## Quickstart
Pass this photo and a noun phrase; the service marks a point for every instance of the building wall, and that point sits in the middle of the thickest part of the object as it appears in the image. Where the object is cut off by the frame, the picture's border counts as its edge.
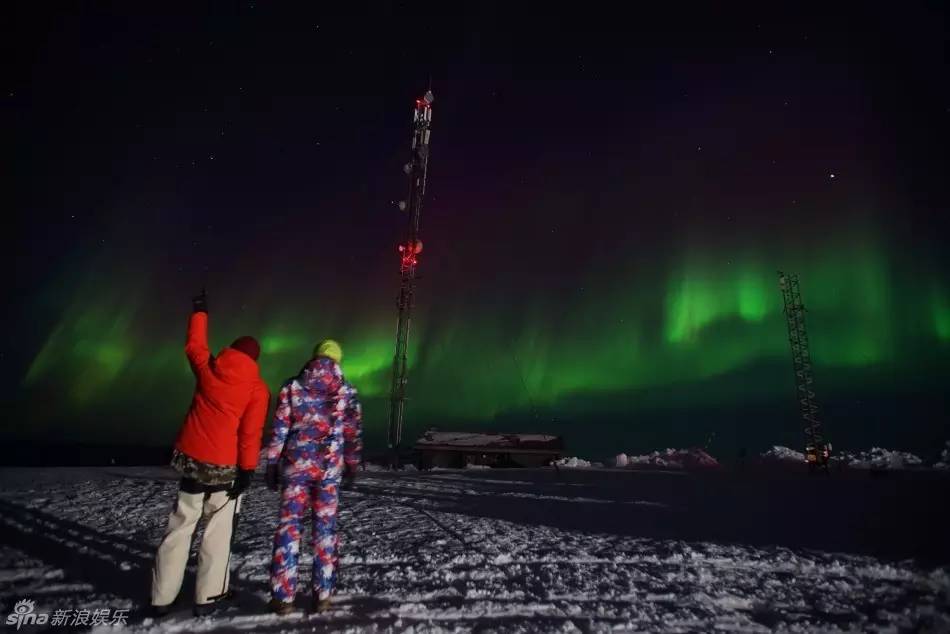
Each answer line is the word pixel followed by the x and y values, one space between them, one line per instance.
pixel 459 459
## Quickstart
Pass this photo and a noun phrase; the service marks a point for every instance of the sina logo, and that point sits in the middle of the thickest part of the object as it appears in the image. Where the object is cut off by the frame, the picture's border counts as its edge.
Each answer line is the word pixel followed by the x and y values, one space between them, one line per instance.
pixel 23 614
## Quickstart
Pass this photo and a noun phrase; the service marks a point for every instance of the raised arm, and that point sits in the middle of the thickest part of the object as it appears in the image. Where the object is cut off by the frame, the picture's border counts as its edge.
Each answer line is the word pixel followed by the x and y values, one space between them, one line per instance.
pixel 196 347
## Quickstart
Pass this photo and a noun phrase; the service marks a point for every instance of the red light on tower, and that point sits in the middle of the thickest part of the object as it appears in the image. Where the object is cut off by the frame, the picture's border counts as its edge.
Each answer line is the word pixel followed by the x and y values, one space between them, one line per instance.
pixel 409 253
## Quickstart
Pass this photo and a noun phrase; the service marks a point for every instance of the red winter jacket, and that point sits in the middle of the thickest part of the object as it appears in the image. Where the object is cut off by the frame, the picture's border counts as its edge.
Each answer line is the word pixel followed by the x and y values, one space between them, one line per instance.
pixel 226 418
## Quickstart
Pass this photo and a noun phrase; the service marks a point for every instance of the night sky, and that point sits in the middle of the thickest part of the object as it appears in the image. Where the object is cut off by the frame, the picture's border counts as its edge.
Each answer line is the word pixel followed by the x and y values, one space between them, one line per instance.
pixel 610 197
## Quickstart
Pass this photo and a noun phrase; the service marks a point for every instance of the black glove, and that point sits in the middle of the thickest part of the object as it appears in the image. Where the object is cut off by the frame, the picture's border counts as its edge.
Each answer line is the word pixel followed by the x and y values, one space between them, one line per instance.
pixel 272 477
pixel 199 303
pixel 241 484
pixel 349 477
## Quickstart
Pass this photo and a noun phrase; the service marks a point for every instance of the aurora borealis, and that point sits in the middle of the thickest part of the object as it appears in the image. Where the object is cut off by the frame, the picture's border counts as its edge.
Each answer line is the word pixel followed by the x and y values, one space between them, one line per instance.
pixel 608 277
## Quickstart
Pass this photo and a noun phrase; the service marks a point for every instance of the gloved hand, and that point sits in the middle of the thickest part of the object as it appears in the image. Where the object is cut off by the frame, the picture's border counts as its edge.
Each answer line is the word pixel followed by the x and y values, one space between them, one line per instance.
pixel 272 477
pixel 349 477
pixel 241 484
pixel 199 303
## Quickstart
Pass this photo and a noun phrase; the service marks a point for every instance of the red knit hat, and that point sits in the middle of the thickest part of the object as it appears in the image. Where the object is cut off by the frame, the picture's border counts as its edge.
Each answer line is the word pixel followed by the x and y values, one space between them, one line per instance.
pixel 248 345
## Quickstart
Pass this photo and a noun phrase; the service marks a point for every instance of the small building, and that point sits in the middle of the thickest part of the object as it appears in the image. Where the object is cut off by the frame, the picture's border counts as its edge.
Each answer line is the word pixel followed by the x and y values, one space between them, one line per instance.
pixel 456 450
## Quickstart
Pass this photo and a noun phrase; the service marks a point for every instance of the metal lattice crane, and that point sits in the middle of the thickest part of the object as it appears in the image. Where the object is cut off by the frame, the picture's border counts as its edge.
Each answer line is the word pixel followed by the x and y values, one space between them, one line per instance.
pixel 817 451
pixel 409 251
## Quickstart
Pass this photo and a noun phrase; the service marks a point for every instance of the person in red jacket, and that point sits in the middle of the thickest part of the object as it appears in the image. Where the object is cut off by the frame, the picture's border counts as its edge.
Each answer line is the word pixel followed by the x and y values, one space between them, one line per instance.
pixel 216 453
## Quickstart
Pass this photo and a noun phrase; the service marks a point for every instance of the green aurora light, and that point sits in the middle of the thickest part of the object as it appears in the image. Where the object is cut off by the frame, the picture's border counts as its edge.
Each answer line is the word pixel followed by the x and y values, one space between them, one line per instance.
pixel 711 315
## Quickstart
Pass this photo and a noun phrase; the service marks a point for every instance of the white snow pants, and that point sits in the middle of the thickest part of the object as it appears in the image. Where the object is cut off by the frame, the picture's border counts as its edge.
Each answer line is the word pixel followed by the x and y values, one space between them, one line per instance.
pixel 214 556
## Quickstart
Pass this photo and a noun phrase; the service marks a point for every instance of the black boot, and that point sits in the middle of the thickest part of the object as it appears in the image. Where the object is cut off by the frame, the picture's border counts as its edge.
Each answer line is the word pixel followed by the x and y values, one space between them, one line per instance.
pixel 160 611
pixel 206 609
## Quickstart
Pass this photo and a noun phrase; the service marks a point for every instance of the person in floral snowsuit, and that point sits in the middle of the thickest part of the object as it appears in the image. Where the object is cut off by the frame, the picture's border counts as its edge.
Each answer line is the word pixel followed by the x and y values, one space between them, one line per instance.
pixel 314 450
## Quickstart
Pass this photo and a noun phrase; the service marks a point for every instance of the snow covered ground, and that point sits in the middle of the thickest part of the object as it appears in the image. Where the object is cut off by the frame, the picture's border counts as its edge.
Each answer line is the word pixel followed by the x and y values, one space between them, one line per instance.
pixel 517 550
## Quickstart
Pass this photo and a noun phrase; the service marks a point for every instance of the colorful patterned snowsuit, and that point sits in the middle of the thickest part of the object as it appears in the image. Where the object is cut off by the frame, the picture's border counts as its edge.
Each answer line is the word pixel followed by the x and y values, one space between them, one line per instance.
pixel 317 428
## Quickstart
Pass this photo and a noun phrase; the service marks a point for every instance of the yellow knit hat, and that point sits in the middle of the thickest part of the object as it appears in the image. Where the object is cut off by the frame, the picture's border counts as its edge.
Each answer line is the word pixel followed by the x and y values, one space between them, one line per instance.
pixel 328 348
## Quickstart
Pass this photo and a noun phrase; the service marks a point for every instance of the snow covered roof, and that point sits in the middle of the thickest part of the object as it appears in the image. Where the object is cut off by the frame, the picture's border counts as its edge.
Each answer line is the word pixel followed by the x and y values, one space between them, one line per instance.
pixel 495 441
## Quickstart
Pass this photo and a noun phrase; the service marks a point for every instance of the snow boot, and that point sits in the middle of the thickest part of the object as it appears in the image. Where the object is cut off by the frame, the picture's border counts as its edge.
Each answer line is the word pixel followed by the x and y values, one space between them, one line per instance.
pixel 206 609
pixel 280 608
pixel 160 611
pixel 321 605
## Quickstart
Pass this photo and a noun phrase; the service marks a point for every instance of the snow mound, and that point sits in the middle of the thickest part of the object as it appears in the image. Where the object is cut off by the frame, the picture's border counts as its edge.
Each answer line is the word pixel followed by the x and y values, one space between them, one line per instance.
pixel 692 458
pixel 875 458
pixel 878 458
pixel 573 463
pixel 944 462
pixel 783 454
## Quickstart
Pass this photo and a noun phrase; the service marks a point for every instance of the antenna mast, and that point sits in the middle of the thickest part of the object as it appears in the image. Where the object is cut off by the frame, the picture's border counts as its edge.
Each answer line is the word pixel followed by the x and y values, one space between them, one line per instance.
pixel 409 251
pixel 817 451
